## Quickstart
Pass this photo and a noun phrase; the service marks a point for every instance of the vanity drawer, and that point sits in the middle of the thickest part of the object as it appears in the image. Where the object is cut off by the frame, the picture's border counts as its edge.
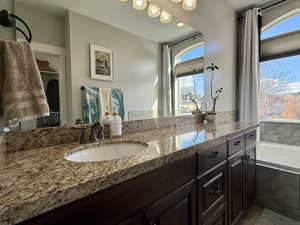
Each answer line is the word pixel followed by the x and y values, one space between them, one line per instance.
pixel 251 138
pixel 211 157
pixel 236 144
pixel 212 191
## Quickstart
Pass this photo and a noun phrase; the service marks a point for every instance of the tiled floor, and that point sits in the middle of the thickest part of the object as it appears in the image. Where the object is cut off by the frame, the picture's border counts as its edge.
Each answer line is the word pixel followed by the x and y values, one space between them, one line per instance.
pixel 251 216
pixel 259 216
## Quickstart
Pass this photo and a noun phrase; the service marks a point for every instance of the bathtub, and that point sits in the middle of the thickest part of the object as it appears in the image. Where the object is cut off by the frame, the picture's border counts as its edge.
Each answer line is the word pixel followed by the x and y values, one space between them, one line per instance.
pixel 278 178
pixel 279 156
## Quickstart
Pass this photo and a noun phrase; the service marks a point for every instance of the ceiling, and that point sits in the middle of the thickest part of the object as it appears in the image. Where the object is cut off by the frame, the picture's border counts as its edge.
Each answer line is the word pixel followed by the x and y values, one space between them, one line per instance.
pixel 242 4
pixel 115 13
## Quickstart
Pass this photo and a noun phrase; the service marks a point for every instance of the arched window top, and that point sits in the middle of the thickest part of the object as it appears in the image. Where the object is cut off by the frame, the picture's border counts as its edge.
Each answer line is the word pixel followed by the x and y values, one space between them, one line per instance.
pixel 192 52
pixel 289 24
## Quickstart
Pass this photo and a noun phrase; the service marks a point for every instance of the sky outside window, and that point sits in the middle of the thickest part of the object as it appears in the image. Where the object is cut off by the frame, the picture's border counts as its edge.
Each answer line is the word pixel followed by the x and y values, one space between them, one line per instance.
pixel 280 78
pixel 198 80
pixel 190 84
pixel 287 25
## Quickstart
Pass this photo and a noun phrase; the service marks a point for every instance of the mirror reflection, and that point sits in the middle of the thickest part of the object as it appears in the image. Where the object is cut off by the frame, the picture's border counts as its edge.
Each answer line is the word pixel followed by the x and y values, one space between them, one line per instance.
pixel 107 57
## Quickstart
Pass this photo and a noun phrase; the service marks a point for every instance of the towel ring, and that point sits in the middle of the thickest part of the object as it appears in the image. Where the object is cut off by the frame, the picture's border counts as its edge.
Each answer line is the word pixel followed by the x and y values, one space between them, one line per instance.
pixel 9 20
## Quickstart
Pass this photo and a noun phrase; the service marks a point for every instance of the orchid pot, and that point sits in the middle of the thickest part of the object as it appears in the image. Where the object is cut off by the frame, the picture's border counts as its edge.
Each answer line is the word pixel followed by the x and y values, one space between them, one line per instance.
pixel 211 116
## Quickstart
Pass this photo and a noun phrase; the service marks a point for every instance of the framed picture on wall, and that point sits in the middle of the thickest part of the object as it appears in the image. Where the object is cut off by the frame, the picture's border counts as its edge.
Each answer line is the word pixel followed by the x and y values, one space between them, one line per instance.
pixel 101 63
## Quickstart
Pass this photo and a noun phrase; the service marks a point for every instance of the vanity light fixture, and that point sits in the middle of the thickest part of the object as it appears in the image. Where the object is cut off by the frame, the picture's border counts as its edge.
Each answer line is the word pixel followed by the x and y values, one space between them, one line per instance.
pixel 176 1
pixel 189 5
pixel 180 25
pixel 139 4
pixel 123 0
pixel 165 17
pixel 153 11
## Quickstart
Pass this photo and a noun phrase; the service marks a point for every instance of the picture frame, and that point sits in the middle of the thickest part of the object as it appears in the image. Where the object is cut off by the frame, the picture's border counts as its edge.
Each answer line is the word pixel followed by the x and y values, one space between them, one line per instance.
pixel 101 63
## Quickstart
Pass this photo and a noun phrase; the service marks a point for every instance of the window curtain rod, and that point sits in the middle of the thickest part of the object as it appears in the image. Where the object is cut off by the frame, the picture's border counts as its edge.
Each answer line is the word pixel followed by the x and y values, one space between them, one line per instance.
pixel 265 7
pixel 193 36
pixel 272 5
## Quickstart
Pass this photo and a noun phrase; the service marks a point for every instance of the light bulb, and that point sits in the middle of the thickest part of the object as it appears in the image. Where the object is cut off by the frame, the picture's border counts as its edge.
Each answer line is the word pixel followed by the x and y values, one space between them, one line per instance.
pixel 139 4
pixel 176 1
pixel 180 24
pixel 165 17
pixel 189 5
pixel 153 11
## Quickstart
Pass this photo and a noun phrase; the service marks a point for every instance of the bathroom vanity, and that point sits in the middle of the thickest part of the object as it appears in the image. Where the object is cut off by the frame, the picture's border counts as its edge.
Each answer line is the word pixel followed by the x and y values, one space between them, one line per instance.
pixel 208 178
pixel 99 67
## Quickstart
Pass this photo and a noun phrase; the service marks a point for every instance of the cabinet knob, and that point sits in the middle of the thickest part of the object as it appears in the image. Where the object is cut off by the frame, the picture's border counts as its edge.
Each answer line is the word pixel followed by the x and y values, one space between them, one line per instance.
pixel 215 190
pixel 214 154
pixel 237 143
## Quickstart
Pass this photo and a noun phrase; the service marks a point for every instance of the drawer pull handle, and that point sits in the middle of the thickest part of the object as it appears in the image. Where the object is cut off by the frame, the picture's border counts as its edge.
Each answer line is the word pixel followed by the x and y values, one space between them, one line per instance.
pixel 215 191
pixel 214 154
pixel 237 143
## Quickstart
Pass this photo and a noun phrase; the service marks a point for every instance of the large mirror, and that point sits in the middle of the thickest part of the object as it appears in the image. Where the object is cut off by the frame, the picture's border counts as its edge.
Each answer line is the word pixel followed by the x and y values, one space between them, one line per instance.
pixel 97 57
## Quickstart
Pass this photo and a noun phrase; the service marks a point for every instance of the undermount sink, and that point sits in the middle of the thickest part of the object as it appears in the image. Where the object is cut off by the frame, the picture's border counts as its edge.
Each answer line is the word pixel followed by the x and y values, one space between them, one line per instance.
pixel 106 152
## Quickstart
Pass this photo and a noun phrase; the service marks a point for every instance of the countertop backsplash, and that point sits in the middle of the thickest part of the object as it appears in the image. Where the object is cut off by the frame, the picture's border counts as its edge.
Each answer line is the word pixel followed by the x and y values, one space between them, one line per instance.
pixel 46 137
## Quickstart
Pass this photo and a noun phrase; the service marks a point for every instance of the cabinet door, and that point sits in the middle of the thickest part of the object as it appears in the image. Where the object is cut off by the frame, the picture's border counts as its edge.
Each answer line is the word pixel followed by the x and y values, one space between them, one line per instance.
pixel 177 208
pixel 250 175
pixel 138 219
pixel 219 217
pixel 236 186
pixel 212 192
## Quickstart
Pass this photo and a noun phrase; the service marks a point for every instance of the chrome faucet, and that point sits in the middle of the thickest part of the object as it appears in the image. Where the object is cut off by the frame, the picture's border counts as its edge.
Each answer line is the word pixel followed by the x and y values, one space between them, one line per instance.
pixel 96 134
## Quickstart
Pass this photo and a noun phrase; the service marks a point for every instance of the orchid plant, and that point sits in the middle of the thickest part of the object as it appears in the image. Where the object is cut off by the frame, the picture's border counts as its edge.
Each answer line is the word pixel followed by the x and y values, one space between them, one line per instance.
pixel 214 96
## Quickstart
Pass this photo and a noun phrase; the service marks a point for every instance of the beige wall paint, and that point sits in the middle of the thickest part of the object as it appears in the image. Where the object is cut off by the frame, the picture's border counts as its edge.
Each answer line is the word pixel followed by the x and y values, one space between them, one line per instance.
pixel 47 28
pixel 217 21
pixel 7 33
pixel 136 63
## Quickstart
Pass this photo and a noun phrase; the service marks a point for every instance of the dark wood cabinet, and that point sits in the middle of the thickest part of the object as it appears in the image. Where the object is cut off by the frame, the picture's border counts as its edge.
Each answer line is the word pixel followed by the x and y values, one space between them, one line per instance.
pixel 212 192
pixel 250 161
pixel 236 186
pixel 211 157
pixel 242 175
pixel 219 217
pixel 138 219
pixel 177 208
pixel 213 187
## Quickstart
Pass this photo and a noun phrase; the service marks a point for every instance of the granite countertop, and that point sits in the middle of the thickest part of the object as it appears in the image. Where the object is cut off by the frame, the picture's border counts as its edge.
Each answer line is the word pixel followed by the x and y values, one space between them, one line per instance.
pixel 36 181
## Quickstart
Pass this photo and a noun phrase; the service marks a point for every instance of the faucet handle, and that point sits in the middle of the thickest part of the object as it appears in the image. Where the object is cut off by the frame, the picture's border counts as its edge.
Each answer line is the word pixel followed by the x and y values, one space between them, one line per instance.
pixel 83 135
pixel 97 132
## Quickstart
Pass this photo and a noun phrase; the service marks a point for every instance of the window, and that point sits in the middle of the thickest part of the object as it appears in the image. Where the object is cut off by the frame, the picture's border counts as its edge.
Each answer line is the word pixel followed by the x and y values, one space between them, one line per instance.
pixel 287 25
pixel 190 85
pixel 280 78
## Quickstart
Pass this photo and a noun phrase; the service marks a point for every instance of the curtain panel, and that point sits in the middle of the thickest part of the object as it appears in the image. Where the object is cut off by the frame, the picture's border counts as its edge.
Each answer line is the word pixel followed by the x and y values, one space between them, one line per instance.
pixel 166 82
pixel 248 66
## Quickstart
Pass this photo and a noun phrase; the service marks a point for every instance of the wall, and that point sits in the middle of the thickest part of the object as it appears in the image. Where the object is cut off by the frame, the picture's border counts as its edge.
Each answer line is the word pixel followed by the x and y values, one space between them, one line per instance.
pixel 217 21
pixel 283 132
pixel 47 27
pixel 278 190
pixel 136 63
pixel 7 33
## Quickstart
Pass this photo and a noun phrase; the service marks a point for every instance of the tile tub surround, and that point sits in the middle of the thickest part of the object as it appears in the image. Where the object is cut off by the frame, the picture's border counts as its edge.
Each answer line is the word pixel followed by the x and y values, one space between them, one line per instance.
pixel 47 137
pixel 283 132
pixel 35 181
pixel 278 190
